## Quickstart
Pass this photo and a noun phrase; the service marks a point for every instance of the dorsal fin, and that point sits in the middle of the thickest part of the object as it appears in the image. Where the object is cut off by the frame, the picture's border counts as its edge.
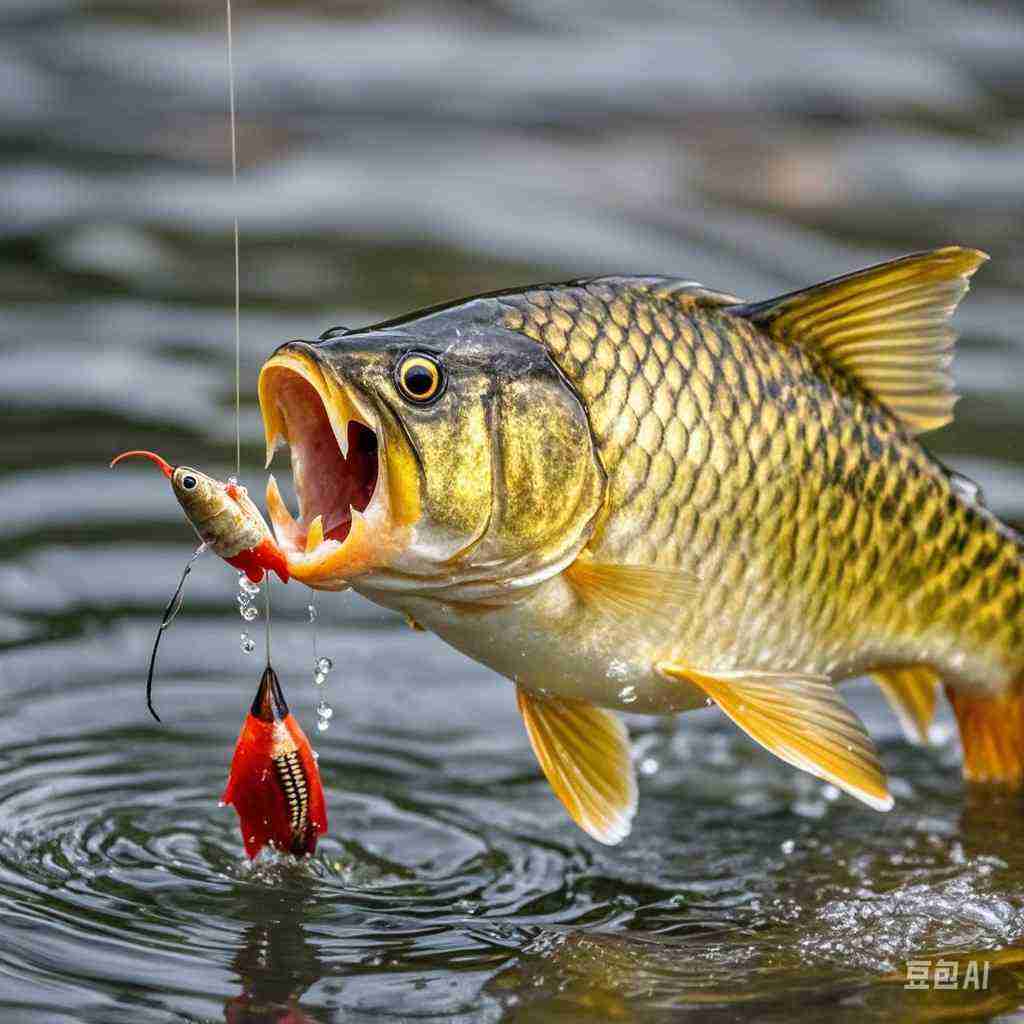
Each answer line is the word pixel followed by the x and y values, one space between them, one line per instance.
pixel 886 326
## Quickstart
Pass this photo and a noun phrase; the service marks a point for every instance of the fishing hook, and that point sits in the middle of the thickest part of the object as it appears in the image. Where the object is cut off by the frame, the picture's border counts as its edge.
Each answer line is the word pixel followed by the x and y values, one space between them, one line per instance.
pixel 170 614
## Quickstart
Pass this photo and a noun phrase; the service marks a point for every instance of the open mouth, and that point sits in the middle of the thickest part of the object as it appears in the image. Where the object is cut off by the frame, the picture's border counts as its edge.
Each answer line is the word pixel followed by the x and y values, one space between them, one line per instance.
pixel 335 456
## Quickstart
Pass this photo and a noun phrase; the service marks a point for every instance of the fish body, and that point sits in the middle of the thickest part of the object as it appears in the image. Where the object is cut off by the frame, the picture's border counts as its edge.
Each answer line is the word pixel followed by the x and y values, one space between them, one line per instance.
pixel 226 519
pixel 274 783
pixel 641 493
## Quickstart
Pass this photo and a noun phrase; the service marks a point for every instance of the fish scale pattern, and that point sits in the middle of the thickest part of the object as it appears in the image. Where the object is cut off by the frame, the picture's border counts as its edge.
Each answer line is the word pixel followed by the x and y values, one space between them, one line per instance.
pixel 824 536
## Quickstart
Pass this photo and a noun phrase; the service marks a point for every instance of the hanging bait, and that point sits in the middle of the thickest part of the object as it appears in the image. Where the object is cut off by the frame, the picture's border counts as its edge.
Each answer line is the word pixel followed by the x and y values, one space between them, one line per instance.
pixel 225 517
pixel 274 783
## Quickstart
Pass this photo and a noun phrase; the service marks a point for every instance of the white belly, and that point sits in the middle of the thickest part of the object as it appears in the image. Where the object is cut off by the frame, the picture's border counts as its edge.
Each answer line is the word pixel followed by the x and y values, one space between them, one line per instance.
pixel 549 643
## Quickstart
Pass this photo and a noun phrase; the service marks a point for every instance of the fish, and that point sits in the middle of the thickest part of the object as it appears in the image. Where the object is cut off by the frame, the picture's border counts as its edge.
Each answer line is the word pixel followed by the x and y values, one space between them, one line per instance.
pixel 226 519
pixel 274 782
pixel 642 494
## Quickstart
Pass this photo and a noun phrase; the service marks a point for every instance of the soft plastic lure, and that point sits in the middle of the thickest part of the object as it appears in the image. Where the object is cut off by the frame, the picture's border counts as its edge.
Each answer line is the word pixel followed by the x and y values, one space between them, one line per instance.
pixel 225 517
pixel 274 783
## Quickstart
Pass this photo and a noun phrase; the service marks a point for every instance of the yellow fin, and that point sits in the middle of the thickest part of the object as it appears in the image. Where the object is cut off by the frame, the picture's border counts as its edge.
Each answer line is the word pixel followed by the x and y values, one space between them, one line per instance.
pixel 911 694
pixel 801 719
pixel 639 593
pixel 992 736
pixel 886 326
pixel 584 752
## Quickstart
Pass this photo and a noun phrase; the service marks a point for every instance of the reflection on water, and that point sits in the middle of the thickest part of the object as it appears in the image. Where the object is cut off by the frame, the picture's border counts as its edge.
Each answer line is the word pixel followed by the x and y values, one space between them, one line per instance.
pixel 275 962
pixel 397 157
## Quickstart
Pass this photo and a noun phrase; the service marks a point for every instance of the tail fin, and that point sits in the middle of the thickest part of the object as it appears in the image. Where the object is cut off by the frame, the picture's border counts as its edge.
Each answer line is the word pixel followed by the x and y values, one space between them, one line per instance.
pixel 992 736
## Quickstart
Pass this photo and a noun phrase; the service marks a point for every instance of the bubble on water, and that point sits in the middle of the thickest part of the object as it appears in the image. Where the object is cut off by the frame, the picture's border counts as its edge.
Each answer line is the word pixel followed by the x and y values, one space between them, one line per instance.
pixel 249 613
pixel 323 724
pixel 247 643
pixel 787 847
pixel 649 766
pixel 312 612
pixel 324 710
pixel 627 694
pixel 247 586
pixel 233 480
pixel 244 600
pixel 324 665
pixel 316 755
pixel 319 678
pixel 830 793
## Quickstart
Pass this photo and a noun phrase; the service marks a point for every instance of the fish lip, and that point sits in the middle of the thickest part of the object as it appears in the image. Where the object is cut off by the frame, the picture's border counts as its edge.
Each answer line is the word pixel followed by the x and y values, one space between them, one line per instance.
pixel 296 384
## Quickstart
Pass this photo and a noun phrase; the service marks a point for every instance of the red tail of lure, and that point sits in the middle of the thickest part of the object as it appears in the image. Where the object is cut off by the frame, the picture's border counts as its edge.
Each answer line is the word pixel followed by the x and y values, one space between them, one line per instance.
pixel 224 516
pixel 274 783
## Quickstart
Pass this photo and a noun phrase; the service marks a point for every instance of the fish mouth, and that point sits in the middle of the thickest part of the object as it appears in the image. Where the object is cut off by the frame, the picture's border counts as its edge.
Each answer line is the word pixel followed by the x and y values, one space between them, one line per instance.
pixel 333 435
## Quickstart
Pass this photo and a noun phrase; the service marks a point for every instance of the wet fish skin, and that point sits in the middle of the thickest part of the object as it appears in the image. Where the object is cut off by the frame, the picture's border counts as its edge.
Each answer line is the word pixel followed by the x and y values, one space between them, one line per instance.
pixel 771 474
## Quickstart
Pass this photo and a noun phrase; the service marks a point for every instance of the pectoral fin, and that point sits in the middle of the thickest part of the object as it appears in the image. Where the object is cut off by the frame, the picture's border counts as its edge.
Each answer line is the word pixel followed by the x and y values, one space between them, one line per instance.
pixel 911 693
pixel 584 752
pixel 640 593
pixel 801 719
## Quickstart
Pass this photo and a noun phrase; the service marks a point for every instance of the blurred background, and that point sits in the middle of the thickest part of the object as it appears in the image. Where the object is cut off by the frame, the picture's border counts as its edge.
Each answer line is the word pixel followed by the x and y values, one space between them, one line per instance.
pixel 393 155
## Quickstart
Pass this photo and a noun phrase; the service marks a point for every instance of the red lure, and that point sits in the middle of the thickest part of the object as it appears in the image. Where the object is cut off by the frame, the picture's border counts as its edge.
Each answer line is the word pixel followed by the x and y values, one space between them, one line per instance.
pixel 274 783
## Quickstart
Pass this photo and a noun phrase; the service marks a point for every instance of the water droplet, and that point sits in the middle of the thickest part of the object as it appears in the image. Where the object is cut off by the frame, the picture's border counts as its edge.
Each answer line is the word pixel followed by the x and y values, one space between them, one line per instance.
pixel 324 665
pixel 312 612
pixel 627 694
pixel 249 613
pixel 247 586
pixel 316 755
pixel 247 643
pixel 788 847
pixel 323 724
pixel 324 710
pixel 232 479
pixel 244 600
pixel 618 670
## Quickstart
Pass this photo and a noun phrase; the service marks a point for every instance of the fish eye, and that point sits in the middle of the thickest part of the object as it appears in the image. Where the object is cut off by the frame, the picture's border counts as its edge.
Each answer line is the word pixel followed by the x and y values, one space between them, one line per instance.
pixel 419 377
pixel 189 482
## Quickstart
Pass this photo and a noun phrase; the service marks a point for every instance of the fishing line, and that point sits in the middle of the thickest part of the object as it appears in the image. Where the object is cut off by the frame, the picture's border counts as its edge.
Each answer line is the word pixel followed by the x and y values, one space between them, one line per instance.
pixel 234 196
pixel 169 615
pixel 233 119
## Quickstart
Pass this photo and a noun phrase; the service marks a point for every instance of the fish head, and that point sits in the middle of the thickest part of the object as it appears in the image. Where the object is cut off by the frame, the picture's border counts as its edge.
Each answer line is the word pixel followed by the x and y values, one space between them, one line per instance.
pixel 441 450
pixel 199 495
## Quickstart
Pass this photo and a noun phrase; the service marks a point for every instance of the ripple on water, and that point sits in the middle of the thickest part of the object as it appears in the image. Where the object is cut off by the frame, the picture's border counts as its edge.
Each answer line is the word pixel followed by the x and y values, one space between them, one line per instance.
pixel 449 869
pixel 114 851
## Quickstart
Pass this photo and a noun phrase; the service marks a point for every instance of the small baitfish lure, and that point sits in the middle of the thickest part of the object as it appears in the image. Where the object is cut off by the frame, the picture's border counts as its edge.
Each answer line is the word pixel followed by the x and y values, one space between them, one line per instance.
pixel 225 517
pixel 274 783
